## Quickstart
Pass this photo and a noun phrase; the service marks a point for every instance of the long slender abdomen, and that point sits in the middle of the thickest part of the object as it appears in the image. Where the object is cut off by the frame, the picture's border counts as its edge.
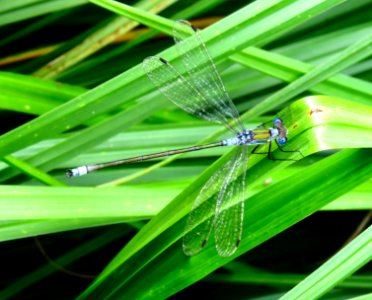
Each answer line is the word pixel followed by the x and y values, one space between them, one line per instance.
pixel 80 171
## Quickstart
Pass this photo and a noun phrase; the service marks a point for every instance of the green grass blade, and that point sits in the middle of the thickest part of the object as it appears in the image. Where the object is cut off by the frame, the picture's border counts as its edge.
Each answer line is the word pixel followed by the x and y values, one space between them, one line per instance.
pixel 98 40
pixel 31 171
pixel 349 259
pixel 23 13
pixel 267 213
pixel 242 273
pixel 34 27
pixel 187 13
pixel 31 95
pixel 289 69
pixel 286 11
pixel 126 116
pixel 364 297
pixel 26 229
pixel 358 51
pixel 159 224
pixel 44 203
pixel 38 203
pixel 112 93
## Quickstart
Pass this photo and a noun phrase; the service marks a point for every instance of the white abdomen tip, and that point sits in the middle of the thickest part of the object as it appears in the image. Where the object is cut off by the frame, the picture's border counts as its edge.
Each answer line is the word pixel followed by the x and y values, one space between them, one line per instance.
pixel 79 171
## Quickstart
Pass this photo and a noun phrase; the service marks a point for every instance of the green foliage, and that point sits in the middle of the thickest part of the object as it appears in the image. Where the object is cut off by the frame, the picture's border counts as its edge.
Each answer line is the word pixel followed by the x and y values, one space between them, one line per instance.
pixel 90 101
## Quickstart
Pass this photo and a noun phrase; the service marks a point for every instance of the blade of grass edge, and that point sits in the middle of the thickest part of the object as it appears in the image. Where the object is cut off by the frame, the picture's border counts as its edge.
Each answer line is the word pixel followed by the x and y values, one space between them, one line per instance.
pixel 349 259
pixel 165 252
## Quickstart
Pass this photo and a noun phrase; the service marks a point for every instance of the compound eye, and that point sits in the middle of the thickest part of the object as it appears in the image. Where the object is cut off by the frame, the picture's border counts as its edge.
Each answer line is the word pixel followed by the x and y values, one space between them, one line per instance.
pixel 282 141
pixel 277 122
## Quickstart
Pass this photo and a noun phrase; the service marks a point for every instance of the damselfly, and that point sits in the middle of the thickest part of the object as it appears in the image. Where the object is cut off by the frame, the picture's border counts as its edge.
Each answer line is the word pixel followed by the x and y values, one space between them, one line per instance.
pixel 219 205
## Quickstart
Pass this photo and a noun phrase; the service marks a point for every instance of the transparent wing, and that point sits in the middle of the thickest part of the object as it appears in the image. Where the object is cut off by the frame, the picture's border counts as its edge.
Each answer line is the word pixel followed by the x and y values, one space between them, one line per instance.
pixel 202 93
pixel 228 225
pixel 203 74
pixel 178 90
pixel 207 206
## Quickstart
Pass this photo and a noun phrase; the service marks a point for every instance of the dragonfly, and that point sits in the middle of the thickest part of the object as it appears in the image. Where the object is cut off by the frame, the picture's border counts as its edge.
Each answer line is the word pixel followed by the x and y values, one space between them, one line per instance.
pixel 219 206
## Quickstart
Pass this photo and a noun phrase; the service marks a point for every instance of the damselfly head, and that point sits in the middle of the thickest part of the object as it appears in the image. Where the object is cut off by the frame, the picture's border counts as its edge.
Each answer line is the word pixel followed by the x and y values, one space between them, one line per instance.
pixel 282 140
pixel 278 122
pixel 282 136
